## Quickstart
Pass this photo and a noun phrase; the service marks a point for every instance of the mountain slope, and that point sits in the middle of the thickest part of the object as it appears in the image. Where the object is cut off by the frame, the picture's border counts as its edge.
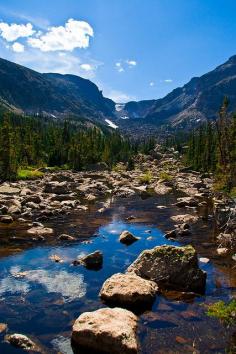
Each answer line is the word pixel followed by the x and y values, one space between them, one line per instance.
pixel 33 92
pixel 197 101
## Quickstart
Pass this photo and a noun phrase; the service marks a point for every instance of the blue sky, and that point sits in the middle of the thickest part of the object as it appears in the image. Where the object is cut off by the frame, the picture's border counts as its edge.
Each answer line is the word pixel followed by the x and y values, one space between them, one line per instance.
pixel 132 49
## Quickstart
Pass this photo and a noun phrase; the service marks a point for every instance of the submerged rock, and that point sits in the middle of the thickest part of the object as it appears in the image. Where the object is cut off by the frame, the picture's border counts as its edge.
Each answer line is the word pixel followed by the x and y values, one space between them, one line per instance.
pixel 3 327
pixel 171 267
pixel 127 237
pixel 111 330
pixel 128 289
pixel 93 260
pixel 21 341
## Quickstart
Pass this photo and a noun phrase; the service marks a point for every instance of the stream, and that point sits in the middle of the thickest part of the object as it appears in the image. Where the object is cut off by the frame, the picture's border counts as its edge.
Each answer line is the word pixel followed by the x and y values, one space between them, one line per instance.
pixel 41 298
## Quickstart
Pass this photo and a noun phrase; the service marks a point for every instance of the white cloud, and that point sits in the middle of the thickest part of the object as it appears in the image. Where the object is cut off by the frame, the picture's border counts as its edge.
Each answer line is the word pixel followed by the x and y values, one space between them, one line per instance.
pixel 168 80
pixel 151 83
pixel 117 96
pixel 13 31
pixel 86 67
pixel 119 67
pixel 75 34
pixel 131 62
pixel 123 64
pixel 56 62
pixel 18 47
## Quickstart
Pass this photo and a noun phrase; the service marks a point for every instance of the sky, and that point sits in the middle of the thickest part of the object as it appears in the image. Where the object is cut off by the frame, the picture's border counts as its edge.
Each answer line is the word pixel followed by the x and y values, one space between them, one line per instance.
pixel 132 49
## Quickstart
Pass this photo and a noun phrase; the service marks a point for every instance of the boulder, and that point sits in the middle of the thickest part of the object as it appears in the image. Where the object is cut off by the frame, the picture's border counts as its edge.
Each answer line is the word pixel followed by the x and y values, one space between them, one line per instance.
pixel 65 237
pixel 111 330
pixel 33 199
pixel 40 231
pixel 171 267
pixel 56 188
pixel 161 189
pixel 222 251
pixel 4 189
pixel 185 218
pixel 171 234
pixel 128 289
pixel 93 260
pixel 127 238
pixel 186 202
pixel 21 341
pixel 6 219
pixel 14 210
pixel 3 209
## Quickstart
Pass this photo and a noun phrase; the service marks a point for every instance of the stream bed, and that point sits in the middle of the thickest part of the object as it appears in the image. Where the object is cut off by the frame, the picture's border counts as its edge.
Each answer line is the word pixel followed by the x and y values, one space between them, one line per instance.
pixel 41 298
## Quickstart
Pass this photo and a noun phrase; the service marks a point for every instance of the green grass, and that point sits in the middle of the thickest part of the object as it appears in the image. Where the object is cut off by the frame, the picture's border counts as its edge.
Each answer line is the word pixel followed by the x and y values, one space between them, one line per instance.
pixel 224 312
pixel 146 178
pixel 165 176
pixel 29 173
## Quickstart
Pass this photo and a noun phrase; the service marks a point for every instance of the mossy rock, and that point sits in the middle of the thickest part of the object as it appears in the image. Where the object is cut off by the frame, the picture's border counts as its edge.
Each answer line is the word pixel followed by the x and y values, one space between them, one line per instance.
pixel 171 267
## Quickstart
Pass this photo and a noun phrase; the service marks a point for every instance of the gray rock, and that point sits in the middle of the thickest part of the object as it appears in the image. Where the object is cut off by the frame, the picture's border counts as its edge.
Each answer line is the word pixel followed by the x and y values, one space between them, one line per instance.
pixel 171 267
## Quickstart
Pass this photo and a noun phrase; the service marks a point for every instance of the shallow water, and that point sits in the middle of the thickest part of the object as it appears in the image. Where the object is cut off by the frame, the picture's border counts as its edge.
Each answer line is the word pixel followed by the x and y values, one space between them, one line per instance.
pixel 47 297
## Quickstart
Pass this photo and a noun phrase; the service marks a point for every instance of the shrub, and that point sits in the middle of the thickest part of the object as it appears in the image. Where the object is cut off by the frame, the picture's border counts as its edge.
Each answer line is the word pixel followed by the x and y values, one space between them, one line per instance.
pixel 165 176
pixel 146 178
pixel 29 174
pixel 224 312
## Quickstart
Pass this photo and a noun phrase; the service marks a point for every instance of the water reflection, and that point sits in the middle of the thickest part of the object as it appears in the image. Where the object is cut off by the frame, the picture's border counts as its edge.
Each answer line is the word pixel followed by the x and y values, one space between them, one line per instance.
pixel 69 286
pixel 42 298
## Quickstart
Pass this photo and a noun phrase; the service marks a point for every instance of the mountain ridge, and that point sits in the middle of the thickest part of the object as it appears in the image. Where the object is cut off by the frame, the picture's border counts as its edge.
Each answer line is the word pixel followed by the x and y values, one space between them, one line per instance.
pixel 50 93
pixel 28 91
pixel 197 101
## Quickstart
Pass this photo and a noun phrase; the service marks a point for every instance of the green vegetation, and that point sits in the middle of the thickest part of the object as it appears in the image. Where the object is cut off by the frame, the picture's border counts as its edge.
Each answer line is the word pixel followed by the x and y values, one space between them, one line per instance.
pixel 29 174
pixel 59 143
pixel 224 312
pixel 146 178
pixel 212 148
pixel 165 176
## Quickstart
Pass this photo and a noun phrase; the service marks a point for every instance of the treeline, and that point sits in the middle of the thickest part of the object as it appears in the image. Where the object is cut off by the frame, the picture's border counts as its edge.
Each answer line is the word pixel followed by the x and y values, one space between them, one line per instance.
pixel 212 148
pixel 40 141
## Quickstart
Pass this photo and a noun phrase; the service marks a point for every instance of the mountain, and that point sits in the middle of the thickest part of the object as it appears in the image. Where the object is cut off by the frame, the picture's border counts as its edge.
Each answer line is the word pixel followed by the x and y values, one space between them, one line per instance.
pixel 52 94
pixel 22 89
pixel 195 102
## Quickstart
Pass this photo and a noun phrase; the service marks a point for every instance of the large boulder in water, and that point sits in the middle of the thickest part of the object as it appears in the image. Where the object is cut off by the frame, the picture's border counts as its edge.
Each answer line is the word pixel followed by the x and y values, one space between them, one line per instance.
pixel 128 289
pixel 171 267
pixel 108 330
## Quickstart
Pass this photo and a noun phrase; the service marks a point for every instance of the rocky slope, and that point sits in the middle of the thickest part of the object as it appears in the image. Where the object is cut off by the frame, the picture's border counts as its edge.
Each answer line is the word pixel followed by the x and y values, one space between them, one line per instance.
pixel 52 94
pixel 197 101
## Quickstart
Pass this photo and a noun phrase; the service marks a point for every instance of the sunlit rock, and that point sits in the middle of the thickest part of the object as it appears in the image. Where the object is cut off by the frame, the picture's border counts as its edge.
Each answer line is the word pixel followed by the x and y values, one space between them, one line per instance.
pixel 128 289
pixel 110 330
